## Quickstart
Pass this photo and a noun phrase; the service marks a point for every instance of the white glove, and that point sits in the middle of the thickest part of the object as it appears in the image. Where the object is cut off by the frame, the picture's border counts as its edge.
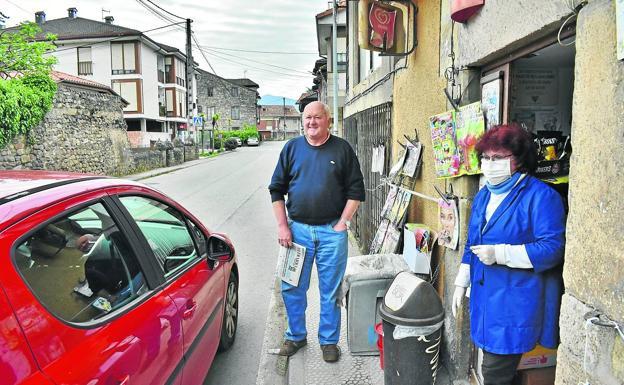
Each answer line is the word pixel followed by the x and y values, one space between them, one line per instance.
pixel 485 253
pixel 458 296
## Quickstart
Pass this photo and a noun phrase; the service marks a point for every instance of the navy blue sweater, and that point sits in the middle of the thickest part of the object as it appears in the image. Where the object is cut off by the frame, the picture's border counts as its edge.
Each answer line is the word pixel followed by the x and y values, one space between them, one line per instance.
pixel 318 179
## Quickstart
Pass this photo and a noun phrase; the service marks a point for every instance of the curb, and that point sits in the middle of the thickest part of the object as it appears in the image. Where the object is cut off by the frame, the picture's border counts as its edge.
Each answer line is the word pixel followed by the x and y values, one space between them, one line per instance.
pixel 273 369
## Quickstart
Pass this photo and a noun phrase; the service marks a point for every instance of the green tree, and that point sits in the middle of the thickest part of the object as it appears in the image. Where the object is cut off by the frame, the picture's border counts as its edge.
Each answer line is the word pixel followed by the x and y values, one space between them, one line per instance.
pixel 22 55
pixel 26 88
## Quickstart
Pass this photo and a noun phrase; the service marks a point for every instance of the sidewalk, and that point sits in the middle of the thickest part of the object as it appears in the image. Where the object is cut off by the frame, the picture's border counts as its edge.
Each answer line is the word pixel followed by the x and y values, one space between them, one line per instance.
pixel 307 367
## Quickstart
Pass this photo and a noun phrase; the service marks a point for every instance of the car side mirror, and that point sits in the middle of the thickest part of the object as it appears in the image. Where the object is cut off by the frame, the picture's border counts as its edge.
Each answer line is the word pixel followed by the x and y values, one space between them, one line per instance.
pixel 219 249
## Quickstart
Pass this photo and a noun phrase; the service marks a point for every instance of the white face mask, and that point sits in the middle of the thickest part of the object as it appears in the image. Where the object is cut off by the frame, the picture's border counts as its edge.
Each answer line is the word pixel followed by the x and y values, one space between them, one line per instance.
pixel 496 171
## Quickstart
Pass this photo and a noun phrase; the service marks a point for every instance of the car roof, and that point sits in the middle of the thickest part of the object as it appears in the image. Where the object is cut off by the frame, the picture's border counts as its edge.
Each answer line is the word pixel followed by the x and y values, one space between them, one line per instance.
pixel 24 192
pixel 16 183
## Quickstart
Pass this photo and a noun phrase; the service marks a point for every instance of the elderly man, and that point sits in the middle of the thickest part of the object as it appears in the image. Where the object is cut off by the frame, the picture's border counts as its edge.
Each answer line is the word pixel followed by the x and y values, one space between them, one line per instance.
pixel 321 175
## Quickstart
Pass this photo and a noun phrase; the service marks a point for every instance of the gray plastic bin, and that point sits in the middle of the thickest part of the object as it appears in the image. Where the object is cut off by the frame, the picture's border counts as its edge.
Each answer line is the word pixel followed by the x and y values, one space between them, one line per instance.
pixel 363 301
pixel 366 279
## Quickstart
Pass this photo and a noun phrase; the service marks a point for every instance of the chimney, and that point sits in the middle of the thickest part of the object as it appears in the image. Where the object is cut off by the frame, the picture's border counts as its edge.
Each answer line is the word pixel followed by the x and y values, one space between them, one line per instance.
pixel 72 12
pixel 40 17
pixel 109 19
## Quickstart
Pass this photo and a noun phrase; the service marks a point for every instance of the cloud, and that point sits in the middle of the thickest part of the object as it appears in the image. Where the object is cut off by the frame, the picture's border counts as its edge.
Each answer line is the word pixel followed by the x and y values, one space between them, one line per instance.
pixel 267 25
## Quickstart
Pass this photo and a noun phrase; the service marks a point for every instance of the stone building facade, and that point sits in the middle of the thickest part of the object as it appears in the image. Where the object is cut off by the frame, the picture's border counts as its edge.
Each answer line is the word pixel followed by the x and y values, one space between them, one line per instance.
pixel 234 100
pixel 84 132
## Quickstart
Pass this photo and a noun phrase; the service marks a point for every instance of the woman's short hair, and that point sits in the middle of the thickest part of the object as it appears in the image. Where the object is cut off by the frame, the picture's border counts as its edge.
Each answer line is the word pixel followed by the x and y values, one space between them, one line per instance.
pixel 514 139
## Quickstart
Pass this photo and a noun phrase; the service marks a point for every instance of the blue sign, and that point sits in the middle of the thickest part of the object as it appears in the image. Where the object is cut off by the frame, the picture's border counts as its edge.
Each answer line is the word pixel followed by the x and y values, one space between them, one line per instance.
pixel 198 120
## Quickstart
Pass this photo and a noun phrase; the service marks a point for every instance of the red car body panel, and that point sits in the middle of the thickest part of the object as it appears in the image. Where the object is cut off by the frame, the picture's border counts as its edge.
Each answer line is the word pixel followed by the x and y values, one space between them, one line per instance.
pixel 168 336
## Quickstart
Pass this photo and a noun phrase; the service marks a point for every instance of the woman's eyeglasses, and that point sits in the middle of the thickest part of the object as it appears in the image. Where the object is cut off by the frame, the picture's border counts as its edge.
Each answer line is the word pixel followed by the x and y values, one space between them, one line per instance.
pixel 495 157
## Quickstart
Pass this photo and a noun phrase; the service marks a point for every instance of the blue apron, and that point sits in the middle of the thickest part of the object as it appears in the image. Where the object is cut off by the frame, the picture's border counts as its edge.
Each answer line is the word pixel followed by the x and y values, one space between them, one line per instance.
pixel 511 310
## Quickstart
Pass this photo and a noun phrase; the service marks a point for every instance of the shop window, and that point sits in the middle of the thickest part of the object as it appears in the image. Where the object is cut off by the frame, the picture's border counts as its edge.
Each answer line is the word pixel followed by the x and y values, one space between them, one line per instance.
pixel 81 266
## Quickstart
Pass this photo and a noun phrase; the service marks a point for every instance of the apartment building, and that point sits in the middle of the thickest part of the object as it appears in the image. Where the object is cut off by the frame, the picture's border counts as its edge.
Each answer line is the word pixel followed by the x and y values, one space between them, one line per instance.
pixel 151 76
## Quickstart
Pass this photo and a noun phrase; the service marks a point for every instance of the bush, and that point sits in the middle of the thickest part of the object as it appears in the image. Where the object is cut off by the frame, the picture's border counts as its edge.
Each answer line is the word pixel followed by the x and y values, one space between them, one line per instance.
pixel 230 144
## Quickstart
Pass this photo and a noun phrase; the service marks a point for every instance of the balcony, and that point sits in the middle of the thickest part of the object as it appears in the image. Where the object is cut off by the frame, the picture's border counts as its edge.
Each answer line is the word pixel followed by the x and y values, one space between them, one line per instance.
pixel 85 68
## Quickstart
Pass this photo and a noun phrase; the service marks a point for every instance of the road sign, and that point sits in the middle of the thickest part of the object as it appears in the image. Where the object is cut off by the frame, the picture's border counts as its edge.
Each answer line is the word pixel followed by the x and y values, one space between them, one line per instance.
pixel 198 120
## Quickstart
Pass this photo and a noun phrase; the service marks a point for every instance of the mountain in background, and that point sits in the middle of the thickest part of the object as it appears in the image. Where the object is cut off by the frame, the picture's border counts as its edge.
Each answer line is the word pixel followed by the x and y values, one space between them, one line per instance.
pixel 275 100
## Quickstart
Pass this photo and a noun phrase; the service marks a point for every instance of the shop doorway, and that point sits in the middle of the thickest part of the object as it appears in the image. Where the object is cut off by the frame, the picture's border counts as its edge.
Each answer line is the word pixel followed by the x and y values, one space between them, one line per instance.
pixel 535 90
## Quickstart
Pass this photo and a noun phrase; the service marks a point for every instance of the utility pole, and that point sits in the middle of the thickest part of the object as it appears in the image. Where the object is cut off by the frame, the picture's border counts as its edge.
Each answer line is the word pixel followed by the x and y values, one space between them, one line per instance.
pixel 190 98
pixel 284 115
pixel 335 67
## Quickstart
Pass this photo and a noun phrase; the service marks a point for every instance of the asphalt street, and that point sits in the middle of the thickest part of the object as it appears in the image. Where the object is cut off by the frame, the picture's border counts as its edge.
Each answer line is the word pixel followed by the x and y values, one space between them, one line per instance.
pixel 229 194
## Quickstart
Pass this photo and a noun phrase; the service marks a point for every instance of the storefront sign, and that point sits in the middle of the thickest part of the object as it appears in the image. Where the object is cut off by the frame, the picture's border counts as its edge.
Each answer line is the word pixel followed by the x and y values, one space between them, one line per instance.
pixel 536 87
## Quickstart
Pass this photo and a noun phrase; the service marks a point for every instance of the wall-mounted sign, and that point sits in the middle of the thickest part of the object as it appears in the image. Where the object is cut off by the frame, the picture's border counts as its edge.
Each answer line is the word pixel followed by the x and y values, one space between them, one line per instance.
pixel 382 20
pixel 536 87
pixel 388 27
pixel 491 95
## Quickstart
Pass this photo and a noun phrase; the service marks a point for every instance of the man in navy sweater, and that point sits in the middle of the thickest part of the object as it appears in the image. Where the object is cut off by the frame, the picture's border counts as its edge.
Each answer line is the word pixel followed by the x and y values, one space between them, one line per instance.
pixel 321 175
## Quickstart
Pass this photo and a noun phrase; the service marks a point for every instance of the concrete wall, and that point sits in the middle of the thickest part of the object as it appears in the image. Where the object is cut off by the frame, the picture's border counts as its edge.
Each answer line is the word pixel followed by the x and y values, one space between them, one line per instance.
pixel 504 26
pixel 594 267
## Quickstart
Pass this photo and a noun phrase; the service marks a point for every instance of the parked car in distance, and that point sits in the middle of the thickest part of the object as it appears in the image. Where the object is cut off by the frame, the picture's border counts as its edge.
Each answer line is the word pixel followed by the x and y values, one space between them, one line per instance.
pixel 108 281
pixel 239 142
pixel 253 141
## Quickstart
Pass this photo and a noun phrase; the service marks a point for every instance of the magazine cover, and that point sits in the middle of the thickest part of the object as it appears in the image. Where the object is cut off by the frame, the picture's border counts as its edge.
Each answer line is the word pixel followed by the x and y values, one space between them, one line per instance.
pixel 444 142
pixel 470 128
pixel 290 263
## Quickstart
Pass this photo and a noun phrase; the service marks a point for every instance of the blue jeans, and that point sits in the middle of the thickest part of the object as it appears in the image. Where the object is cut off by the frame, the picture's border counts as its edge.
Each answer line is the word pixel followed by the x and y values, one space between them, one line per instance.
pixel 330 249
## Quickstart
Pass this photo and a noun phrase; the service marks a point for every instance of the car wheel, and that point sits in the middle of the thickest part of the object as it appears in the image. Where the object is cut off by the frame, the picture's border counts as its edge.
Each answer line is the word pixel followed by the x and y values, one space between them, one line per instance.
pixel 230 315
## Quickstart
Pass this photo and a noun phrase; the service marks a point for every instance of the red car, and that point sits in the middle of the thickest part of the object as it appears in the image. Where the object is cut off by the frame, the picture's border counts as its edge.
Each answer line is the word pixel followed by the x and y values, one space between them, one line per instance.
pixel 107 281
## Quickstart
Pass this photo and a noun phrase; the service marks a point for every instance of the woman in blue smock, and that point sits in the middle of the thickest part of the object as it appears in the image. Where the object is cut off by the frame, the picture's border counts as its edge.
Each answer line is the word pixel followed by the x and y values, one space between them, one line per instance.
pixel 513 256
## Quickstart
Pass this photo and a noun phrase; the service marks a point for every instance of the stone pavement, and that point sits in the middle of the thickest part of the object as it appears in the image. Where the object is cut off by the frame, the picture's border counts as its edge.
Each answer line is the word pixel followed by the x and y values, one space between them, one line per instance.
pixel 307 367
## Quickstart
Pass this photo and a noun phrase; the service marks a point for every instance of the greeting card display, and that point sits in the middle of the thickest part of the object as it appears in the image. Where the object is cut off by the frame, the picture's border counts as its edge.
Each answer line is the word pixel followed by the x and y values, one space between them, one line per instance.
pixel 470 127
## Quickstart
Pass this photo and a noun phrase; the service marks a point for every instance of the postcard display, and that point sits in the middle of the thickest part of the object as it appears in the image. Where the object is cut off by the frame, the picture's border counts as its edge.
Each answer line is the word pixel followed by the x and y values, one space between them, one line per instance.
pixel 388 233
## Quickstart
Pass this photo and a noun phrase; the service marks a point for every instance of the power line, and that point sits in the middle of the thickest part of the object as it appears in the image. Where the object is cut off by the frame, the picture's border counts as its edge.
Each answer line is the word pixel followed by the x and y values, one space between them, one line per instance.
pixel 259 62
pixel 248 50
pixel 257 68
pixel 15 5
pixel 164 10
pixel 114 38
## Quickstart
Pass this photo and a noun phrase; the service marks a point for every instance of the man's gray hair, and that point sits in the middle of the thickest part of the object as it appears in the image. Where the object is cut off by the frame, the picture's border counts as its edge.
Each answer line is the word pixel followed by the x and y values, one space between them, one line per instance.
pixel 327 110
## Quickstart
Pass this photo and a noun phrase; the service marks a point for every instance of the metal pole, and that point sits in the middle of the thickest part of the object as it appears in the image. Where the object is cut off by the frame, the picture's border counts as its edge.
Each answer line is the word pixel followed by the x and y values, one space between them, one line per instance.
pixel 284 115
pixel 335 66
pixel 202 133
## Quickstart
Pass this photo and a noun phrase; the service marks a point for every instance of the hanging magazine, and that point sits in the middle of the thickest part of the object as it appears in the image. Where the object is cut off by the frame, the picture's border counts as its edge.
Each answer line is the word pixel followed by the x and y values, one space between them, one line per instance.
pixel 290 263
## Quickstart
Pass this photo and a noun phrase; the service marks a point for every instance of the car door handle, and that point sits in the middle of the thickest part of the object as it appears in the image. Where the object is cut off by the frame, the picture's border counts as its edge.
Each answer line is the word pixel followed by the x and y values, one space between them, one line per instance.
pixel 191 306
pixel 125 380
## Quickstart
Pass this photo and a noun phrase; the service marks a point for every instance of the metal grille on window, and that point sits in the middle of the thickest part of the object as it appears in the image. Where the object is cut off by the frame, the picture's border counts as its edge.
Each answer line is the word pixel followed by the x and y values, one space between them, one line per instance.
pixel 364 131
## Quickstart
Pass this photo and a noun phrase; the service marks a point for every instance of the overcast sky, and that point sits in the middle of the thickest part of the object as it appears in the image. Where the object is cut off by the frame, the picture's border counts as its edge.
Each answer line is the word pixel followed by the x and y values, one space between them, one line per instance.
pixel 236 25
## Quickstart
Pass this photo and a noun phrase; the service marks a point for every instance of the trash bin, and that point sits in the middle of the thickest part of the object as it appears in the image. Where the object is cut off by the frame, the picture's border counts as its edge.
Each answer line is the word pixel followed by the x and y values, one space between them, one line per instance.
pixel 412 316
pixel 365 282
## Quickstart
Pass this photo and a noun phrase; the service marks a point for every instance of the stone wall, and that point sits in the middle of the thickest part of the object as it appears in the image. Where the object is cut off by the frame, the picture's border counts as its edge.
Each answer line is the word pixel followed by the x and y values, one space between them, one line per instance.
pixel 223 101
pixel 83 132
pixel 594 266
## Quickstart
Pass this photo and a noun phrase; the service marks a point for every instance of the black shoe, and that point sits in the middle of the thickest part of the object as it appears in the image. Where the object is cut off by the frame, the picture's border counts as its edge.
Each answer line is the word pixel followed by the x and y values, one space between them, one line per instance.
pixel 331 353
pixel 291 347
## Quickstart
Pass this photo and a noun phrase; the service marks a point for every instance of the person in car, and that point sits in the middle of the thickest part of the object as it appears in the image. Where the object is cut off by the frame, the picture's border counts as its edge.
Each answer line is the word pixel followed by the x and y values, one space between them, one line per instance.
pixel 321 175
pixel 513 256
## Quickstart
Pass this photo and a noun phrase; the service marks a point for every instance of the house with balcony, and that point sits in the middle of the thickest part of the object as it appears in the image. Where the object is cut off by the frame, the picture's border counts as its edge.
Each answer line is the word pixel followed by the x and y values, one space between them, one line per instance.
pixel 325 68
pixel 149 75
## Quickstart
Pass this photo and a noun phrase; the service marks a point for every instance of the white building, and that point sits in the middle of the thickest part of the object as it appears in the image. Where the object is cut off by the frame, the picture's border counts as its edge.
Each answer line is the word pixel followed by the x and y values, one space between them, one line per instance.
pixel 149 75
